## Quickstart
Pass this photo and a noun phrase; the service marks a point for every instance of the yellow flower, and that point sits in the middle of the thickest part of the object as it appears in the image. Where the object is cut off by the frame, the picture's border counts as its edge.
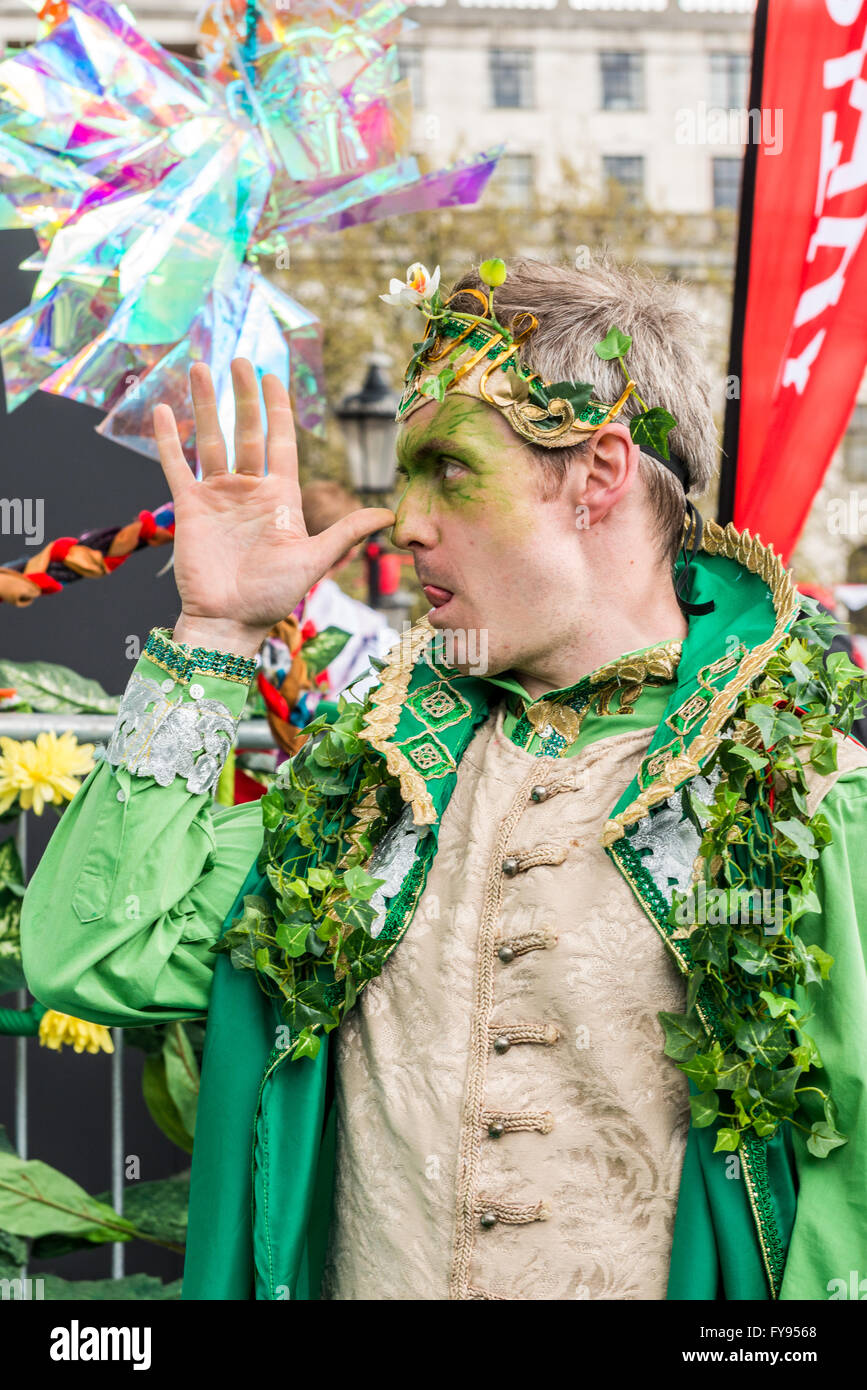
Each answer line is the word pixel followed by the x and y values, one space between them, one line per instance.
pixel 46 770
pixel 56 1029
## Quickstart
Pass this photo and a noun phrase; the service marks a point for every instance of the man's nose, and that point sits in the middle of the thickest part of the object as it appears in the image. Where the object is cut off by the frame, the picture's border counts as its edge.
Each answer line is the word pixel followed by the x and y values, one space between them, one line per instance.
pixel 413 524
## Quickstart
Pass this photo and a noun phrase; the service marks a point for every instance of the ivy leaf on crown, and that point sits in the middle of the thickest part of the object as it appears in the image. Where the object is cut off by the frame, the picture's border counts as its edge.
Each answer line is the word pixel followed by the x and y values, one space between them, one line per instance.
pixel 653 427
pixel 614 344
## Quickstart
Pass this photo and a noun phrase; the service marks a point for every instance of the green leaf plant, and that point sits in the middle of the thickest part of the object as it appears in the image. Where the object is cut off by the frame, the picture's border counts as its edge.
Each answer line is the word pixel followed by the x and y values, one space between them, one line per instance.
pixel 742 1041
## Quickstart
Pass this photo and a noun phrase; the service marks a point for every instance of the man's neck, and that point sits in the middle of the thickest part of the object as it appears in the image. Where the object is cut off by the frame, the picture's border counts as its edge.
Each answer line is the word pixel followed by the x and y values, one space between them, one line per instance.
pixel 602 644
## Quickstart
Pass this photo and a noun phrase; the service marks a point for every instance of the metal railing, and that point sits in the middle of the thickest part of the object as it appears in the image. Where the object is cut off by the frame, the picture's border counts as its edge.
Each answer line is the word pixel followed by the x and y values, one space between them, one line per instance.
pixel 252 733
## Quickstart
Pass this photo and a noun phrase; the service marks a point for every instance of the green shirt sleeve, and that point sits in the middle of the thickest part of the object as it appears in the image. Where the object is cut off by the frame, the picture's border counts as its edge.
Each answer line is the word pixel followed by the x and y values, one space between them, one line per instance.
pixel 829 1238
pixel 134 887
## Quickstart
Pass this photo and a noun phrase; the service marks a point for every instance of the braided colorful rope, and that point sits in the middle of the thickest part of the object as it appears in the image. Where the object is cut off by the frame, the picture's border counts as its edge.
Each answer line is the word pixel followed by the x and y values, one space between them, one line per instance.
pixel 88 556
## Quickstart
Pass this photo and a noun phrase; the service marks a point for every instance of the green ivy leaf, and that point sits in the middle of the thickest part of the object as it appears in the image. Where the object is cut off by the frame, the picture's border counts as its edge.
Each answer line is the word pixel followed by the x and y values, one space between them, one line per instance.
pixel 292 940
pixel 308 1045
pixel 435 387
pixel 653 427
pixel 778 1004
pixel 822 959
pixel 273 810
pixel 683 1035
pixel 614 344
pixel 800 835
pixel 361 884
pixel 763 1039
pixel 806 1054
pixel 823 1139
pixel 727 1140
pixel 702 1071
pixel 755 759
pixel 319 651
pixel 751 956
pixel 705 1108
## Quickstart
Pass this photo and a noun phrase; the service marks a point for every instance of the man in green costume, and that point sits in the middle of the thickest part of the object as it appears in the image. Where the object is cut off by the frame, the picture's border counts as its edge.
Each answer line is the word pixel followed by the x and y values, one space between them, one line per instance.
pixel 499 905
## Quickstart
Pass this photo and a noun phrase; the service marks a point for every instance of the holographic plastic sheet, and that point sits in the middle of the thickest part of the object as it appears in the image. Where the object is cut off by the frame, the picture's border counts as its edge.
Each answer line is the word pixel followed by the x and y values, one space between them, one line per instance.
pixel 155 184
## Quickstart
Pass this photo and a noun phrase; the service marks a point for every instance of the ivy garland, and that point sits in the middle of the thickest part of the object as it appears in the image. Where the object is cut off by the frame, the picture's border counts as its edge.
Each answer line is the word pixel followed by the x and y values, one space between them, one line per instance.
pixel 757 835
pixel 311 947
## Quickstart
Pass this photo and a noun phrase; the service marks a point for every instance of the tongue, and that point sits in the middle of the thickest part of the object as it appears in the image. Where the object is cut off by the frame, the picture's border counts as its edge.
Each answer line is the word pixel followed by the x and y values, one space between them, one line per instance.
pixel 437 595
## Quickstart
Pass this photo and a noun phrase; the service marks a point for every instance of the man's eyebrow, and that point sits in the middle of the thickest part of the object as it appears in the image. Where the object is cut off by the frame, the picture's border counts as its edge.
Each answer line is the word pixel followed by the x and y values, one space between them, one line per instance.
pixel 425 447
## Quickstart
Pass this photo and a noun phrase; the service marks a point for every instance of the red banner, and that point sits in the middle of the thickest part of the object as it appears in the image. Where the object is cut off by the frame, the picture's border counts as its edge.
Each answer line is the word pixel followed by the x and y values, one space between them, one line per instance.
pixel 805 334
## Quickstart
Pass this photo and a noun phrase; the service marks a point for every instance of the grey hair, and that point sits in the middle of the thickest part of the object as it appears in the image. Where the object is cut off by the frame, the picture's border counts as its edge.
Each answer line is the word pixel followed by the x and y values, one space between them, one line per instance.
pixel 575 309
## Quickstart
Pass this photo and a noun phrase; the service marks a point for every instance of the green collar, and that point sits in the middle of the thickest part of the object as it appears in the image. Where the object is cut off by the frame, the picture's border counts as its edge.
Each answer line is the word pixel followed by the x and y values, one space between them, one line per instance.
pixel 629 693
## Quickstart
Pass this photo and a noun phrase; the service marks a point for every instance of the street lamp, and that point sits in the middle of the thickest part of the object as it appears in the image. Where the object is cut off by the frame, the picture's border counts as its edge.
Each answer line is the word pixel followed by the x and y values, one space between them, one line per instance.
pixel 370 429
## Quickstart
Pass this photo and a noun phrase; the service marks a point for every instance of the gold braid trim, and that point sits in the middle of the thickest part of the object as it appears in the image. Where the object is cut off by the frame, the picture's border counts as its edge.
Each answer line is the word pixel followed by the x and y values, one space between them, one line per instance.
pixel 364 814
pixel 381 719
pixel 761 560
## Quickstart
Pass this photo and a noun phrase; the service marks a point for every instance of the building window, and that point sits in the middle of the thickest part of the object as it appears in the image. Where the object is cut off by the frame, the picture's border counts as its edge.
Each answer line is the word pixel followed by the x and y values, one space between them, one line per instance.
pixel 855 445
pixel 729 80
pixel 726 182
pixel 622 81
pixel 626 170
pixel 514 179
pixel 511 77
pixel 409 62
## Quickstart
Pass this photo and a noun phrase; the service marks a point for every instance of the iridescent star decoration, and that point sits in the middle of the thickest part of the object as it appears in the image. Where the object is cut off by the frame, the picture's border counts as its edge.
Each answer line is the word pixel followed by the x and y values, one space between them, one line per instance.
pixel 156 184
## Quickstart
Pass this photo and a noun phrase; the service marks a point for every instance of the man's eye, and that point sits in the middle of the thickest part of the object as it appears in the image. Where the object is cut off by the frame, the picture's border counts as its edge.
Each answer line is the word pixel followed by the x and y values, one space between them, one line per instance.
pixel 451 468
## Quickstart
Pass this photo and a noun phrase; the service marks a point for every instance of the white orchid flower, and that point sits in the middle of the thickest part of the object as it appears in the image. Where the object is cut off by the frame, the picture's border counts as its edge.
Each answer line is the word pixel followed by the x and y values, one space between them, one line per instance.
pixel 419 286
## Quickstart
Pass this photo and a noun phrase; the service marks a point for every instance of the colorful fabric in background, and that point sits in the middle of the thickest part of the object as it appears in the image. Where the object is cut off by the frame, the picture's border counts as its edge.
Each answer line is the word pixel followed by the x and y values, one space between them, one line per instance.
pixel 157 185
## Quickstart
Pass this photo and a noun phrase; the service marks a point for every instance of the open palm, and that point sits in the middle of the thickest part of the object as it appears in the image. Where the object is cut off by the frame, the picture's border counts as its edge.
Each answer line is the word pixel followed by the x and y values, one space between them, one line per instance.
pixel 242 553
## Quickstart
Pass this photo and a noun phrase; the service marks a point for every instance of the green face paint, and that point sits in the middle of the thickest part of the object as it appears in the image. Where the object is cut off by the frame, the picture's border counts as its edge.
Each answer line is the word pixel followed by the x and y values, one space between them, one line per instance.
pixel 465 432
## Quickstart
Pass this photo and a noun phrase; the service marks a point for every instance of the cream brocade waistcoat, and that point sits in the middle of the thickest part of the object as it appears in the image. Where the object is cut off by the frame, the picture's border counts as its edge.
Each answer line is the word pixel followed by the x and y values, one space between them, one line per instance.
pixel 507 1124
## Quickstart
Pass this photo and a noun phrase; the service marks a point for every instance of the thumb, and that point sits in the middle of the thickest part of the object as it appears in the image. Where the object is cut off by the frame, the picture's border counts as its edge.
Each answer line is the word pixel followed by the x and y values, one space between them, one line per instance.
pixel 331 545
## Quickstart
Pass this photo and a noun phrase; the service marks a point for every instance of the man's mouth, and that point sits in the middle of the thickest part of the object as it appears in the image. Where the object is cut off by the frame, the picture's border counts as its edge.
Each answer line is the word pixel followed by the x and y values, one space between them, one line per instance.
pixel 436 595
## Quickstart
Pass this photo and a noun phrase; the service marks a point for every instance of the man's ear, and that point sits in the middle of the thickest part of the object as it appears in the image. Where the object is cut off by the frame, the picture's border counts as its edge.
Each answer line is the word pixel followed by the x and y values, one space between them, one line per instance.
pixel 605 473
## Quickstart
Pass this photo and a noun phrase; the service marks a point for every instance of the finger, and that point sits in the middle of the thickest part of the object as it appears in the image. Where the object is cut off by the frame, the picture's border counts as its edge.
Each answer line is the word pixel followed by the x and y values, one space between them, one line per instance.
pixel 249 438
pixel 209 437
pixel 331 545
pixel 282 444
pixel 177 471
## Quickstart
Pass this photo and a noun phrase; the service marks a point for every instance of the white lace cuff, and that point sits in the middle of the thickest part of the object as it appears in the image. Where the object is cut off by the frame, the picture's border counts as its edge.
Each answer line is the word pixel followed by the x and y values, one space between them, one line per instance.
pixel 161 738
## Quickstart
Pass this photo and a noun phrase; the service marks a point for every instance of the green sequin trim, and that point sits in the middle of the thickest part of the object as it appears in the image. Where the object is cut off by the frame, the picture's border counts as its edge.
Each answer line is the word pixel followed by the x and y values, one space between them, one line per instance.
pixel 183 662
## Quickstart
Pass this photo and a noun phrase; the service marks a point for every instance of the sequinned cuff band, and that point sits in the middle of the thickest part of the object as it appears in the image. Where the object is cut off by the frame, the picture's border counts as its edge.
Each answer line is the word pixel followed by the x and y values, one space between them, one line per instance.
pixel 164 739
pixel 183 661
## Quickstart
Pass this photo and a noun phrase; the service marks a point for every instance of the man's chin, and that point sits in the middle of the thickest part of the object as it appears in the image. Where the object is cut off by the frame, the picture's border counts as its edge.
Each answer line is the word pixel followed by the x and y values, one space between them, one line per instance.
pixel 461 641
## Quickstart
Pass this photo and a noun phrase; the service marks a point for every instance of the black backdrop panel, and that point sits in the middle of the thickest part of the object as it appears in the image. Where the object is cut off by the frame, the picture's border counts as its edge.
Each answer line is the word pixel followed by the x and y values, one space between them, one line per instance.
pixel 49 450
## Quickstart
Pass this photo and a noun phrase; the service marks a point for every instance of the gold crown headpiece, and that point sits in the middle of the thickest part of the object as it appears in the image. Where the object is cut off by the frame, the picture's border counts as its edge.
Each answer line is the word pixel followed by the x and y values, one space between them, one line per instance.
pixel 475 355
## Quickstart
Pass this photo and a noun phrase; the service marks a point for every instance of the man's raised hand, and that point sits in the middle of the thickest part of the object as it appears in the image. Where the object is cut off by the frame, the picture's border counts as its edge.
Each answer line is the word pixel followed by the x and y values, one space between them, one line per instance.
pixel 242 556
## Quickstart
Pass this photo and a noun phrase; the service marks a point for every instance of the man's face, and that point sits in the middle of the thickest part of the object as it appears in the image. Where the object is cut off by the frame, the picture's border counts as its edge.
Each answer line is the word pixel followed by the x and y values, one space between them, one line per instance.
pixel 490 555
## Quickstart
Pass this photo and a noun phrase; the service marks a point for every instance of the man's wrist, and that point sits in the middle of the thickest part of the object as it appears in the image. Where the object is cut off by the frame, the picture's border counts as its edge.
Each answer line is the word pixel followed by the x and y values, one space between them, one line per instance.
pixel 219 634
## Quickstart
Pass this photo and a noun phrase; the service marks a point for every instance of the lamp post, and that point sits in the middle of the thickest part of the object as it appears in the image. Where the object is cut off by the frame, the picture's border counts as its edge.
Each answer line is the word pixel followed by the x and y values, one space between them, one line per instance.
pixel 369 429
